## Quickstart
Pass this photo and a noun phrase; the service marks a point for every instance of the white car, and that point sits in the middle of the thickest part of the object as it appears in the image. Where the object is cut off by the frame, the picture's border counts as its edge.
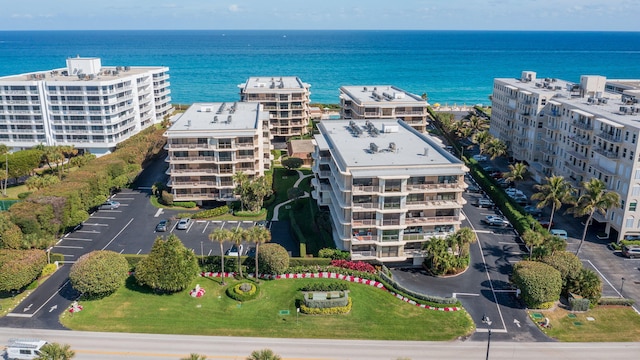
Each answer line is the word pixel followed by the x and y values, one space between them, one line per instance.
pixel 24 348
pixel 495 220
pixel 183 224
pixel 109 205
pixel 235 251
pixel 479 157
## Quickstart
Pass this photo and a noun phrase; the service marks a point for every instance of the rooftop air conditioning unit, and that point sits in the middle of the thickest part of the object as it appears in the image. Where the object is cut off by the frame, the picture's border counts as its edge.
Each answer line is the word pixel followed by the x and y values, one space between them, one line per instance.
pixel 624 109
pixel 373 147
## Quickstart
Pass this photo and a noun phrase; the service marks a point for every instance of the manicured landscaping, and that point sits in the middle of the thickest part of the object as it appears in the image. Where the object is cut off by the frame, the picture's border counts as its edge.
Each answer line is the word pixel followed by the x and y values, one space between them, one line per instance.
pixel 375 314
pixel 13 191
pixel 610 324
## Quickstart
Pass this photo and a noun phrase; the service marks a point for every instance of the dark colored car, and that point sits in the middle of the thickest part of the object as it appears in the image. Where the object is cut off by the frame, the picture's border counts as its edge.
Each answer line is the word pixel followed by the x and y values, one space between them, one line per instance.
pixel 163 225
pixel 533 210
pixel 251 252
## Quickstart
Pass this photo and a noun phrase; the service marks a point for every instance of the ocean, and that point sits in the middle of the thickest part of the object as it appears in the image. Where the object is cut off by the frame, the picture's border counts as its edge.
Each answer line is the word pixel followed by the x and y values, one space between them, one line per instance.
pixel 452 67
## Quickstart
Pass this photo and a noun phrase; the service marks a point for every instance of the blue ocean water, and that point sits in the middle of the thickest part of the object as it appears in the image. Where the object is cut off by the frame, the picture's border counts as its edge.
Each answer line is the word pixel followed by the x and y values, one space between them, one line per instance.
pixel 450 66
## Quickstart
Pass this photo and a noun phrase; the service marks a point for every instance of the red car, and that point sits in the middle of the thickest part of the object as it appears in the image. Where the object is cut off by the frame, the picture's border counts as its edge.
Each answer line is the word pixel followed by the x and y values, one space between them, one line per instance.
pixel 545 223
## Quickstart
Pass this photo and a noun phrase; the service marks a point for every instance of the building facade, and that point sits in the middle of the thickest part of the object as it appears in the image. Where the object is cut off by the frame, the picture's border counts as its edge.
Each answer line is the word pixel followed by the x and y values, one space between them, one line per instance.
pixel 286 99
pixel 383 102
pixel 388 187
pixel 210 143
pixel 582 130
pixel 87 105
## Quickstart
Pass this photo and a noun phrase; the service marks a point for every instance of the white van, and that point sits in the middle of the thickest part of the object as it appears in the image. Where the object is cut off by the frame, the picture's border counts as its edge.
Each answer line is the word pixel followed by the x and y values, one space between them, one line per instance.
pixel 24 348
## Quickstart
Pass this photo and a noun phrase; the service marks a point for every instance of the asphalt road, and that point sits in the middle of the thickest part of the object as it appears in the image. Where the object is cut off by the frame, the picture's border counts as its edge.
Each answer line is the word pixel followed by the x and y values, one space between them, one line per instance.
pixel 103 346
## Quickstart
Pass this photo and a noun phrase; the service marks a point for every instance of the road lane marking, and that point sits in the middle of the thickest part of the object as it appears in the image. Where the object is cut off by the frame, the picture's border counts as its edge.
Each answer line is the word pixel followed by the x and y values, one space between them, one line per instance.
pixel 158 213
pixel 68 247
pixel 78 239
pixel 89 231
pixel 104 217
pixel 94 224
pixel 119 232
pixel 464 294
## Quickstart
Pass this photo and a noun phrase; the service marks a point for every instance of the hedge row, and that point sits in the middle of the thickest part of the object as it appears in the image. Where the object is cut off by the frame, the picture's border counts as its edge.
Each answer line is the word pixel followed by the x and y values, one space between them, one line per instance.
pixel 328 302
pixel 327 311
pixel 297 233
pixel 616 301
pixel 326 286
pixel 206 214
pixel 308 262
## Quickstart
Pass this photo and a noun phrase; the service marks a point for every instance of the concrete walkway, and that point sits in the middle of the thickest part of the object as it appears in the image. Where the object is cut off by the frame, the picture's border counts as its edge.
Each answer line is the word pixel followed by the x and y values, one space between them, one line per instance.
pixel 276 210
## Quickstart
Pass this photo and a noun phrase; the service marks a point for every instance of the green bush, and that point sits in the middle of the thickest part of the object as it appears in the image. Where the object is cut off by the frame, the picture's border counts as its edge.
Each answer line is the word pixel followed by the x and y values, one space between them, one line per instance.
pixel 48 270
pixel 212 263
pixel 24 195
pixel 586 284
pixel 327 311
pixel 32 285
pixel 237 293
pixel 327 300
pixel 18 268
pixel 539 283
pixel 325 286
pixel 334 254
pixel 211 213
pixel 273 259
pixel 133 260
pixel 99 273
pixel 56 257
pixel 616 301
pixel 250 213
pixel 166 198
pixel 579 304
pixel 567 263
pixel 185 204
pixel 305 262
pixel 169 267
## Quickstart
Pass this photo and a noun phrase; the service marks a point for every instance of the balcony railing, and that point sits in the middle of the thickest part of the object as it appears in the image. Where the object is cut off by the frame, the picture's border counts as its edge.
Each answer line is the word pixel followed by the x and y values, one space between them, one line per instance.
pixel 431 219
pixel 582 125
pixel 365 188
pixel 364 222
pixel 610 137
pixel 607 153
pixel 452 185
pixel 364 205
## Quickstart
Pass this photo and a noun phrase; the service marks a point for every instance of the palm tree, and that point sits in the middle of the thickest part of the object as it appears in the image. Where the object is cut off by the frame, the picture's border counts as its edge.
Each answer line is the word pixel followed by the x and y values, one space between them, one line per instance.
pixel 258 235
pixel 517 172
pixel 264 354
pixel 194 356
pixel 495 147
pixel 462 238
pixel 481 139
pixel 221 235
pixel 596 197
pixel 555 192
pixel 4 150
pixel 240 180
pixel 532 239
pixel 237 236
pixel 478 123
pixel 56 351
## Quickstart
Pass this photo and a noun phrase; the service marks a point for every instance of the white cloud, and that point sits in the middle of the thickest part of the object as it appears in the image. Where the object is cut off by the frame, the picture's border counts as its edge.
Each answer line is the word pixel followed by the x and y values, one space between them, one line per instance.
pixel 234 8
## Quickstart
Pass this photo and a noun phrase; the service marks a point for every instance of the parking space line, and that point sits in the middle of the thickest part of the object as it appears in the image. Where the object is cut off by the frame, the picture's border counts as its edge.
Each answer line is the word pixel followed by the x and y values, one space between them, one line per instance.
pixel 247 222
pixel 94 224
pixel 158 213
pixel 65 255
pixel 88 231
pixel 232 221
pixel 209 253
pixel 482 231
pixel 119 232
pixel 121 251
pixel 205 227
pixel 125 198
pixel 139 251
pixel 78 239
pixel 68 247
pixel 103 217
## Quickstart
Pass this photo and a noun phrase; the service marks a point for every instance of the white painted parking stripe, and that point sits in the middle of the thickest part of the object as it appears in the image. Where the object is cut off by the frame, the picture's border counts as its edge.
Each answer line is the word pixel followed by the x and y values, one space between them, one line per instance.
pixel 209 253
pixel 94 224
pixel 483 231
pixel 88 231
pixel 65 255
pixel 123 198
pixel 464 294
pixel 78 239
pixel 247 222
pixel 158 213
pixel 103 217
pixel 121 251
pixel 68 247
pixel 483 330
pixel 232 221
pixel 205 227
pixel 216 221
pixel 139 251
pixel 201 221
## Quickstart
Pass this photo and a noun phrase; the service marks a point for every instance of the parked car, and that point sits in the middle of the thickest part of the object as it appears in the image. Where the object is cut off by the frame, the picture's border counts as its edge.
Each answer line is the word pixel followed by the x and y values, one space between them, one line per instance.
pixel 533 210
pixel 234 250
pixel 109 205
pixel 484 203
pixel 473 188
pixel 183 224
pixel 545 223
pixel 479 157
pixel 562 234
pixel 163 225
pixel 489 169
pixel 504 183
pixel 24 348
pixel 497 174
pixel 261 223
pixel 631 251
pixel 251 252
pixel 495 220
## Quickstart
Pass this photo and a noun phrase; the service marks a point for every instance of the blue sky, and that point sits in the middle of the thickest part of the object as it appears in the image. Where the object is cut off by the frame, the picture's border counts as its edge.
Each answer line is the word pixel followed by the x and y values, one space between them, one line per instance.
pixel 615 15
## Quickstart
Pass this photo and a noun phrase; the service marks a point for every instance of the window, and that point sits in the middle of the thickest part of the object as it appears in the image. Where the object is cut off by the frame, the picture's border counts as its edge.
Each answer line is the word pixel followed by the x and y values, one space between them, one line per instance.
pixel 633 205
pixel 630 221
pixel 636 190
pixel 633 139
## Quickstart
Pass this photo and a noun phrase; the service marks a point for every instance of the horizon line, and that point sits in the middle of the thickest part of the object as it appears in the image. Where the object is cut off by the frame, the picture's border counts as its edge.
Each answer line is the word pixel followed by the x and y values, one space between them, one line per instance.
pixel 369 30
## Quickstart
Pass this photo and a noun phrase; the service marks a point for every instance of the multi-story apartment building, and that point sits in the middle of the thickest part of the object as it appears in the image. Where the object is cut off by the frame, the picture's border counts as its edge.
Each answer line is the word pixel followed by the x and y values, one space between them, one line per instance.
pixel 87 105
pixel 583 130
pixel 211 142
pixel 389 188
pixel 383 102
pixel 286 98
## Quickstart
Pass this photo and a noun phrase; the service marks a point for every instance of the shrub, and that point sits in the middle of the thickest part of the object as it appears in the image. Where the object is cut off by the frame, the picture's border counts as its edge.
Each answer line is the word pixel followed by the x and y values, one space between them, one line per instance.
pixel 586 284
pixel 210 213
pixel 579 304
pixel 56 257
pixel 305 262
pixel 327 311
pixel 166 198
pixel 133 260
pixel 99 273
pixel 24 195
pixel 292 163
pixel 212 263
pixel 169 267
pixel 568 264
pixel 327 300
pixel 242 292
pixel 334 254
pixel 325 286
pixel 354 265
pixel 616 301
pixel 10 234
pixel 273 259
pixel 250 213
pixel 18 268
pixel 539 282
pixel 48 270
pixel 184 204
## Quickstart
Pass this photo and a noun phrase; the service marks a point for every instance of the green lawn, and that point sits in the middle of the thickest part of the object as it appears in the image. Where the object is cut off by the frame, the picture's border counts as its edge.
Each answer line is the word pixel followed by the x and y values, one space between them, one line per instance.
pixel 375 315
pixel 610 324
pixel 13 191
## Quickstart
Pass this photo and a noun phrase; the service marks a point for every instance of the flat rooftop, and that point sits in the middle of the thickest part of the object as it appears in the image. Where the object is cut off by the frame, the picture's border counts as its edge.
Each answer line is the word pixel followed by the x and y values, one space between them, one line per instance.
pixel 273 83
pixel 107 73
pixel 379 94
pixel 217 116
pixel 394 142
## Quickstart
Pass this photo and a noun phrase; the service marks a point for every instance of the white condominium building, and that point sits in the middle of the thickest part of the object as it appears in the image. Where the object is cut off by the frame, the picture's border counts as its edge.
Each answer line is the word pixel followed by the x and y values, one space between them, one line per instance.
pixel 286 98
pixel 389 188
pixel 582 130
pixel 383 102
pixel 211 142
pixel 87 105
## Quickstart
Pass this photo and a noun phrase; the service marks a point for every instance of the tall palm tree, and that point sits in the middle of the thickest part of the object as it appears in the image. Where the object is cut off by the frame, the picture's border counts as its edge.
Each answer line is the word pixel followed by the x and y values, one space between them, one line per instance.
pixel 554 193
pixel 482 138
pixel 478 123
pixel 56 351
pixel 517 172
pixel 240 180
pixel 264 354
pixel 595 197
pixel 495 147
pixel 4 150
pixel 221 235
pixel 194 356
pixel 258 235
pixel 237 236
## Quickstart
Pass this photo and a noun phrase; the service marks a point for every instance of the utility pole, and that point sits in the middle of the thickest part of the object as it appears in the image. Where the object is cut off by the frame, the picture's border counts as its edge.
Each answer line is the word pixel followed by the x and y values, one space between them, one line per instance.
pixel 486 320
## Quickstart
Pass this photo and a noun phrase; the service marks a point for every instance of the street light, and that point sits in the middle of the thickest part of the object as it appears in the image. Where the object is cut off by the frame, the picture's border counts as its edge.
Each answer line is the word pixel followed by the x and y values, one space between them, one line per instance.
pixel 201 249
pixel 622 285
pixel 486 320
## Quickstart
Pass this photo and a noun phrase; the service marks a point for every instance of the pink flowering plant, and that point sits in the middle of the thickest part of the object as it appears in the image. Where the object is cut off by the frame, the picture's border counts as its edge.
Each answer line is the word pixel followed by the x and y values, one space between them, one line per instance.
pixel 354 265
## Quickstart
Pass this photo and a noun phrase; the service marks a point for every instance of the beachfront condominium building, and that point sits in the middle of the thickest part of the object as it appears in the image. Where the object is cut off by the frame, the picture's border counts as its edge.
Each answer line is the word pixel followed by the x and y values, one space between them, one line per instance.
pixel 210 143
pixel 578 130
pixel 286 98
pixel 383 102
pixel 389 188
pixel 87 105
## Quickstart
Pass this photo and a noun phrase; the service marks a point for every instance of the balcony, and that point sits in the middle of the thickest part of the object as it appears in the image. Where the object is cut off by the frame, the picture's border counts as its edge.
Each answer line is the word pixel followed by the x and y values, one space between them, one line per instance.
pixel 195 159
pixel 432 187
pixel 610 137
pixel 607 153
pixel 582 125
pixel 583 140
pixel 363 255
pixel 364 222
pixel 603 170
pixel 431 220
pixel 363 206
pixel 192 184
pixel 170 146
pixel 575 168
pixel 425 236
pixel 365 188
